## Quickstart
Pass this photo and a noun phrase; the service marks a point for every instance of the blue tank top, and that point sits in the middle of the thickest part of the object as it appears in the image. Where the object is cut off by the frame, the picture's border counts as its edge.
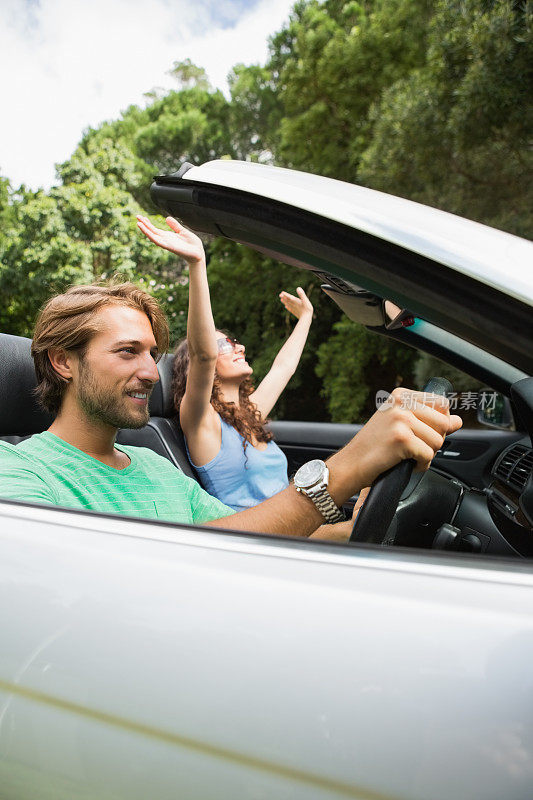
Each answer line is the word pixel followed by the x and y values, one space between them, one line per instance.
pixel 243 480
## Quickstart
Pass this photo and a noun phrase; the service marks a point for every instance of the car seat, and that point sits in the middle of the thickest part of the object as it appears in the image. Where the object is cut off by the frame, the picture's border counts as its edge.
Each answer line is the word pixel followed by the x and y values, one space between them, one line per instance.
pixel 21 415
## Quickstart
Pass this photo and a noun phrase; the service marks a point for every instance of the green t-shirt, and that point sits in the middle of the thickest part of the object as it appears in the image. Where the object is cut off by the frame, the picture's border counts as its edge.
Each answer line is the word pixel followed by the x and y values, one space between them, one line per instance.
pixel 45 469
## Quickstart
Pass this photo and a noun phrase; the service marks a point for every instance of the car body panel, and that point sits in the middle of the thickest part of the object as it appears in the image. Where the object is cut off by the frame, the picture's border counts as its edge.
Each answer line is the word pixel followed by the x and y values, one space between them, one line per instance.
pixel 156 679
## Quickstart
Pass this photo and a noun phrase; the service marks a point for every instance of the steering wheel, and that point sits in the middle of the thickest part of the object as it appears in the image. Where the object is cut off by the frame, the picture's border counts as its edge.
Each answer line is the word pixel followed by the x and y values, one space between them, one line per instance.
pixel 374 518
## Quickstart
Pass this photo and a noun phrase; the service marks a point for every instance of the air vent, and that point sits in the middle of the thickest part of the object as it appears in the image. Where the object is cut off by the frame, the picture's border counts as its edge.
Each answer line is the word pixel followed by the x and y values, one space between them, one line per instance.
pixel 515 467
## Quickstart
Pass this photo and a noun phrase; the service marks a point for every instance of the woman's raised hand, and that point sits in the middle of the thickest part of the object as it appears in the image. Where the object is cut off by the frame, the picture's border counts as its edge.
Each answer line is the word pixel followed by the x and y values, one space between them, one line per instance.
pixel 177 240
pixel 299 306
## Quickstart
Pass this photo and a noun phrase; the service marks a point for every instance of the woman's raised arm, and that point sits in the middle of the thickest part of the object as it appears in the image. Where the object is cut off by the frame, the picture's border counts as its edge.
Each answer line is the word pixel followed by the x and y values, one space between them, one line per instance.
pixel 196 410
pixel 284 365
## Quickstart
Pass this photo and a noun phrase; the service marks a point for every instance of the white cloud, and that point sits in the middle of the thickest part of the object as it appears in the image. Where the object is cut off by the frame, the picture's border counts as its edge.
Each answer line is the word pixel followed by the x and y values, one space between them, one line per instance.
pixel 70 64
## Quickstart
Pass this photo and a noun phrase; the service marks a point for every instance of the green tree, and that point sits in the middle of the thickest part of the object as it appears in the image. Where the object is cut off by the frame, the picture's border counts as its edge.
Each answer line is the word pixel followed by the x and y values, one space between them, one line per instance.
pixel 369 362
pixel 38 257
pixel 331 63
pixel 189 75
pixel 188 125
pixel 99 209
pixel 255 112
pixel 4 195
pixel 81 231
pixel 6 211
pixel 431 101
pixel 455 133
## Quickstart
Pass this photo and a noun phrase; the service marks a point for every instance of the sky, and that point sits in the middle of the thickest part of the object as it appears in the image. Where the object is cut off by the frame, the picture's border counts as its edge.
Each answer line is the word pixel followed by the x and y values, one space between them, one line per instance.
pixel 70 64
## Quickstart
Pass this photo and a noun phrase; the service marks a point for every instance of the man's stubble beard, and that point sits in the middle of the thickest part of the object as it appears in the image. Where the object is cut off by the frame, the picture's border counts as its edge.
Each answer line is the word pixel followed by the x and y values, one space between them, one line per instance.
pixel 101 406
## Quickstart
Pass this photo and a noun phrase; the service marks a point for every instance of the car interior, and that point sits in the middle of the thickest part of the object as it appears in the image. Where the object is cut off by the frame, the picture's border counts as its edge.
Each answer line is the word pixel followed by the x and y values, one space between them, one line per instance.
pixel 342 234
pixel 470 500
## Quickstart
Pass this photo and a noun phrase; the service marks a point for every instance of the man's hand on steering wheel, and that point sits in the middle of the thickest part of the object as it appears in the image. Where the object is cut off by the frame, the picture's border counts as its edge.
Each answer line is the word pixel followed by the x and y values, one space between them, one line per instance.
pixel 420 431
pixel 410 425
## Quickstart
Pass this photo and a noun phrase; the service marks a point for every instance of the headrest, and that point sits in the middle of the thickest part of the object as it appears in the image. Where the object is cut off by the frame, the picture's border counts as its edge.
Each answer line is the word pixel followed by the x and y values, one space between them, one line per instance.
pixel 20 413
pixel 161 404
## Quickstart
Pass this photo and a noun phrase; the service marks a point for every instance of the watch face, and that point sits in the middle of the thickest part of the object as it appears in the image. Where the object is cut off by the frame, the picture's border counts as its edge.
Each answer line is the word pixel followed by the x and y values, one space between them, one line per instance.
pixel 309 474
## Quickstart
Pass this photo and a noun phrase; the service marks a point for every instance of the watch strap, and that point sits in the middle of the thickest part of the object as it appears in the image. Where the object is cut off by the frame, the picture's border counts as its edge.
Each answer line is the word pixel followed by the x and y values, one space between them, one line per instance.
pixel 325 504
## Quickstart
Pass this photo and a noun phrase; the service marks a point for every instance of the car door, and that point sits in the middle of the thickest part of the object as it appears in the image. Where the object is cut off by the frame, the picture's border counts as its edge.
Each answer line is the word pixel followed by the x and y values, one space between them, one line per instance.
pixel 304 441
pixel 468 454
pixel 148 660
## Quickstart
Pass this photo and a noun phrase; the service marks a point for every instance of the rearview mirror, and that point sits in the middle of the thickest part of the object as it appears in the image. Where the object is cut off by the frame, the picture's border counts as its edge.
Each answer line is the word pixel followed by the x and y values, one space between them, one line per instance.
pixel 494 410
pixel 364 307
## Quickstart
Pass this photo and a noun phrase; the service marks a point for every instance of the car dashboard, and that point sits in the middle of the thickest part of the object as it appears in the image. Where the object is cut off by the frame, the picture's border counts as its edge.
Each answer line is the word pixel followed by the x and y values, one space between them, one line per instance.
pixel 508 495
pixel 492 520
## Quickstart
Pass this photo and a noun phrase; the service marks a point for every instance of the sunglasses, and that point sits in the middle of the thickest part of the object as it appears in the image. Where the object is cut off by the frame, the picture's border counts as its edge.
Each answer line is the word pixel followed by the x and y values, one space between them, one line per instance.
pixel 227 345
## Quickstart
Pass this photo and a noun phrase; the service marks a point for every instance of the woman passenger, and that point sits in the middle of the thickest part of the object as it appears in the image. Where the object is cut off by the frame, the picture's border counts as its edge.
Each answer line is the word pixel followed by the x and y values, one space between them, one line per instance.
pixel 222 416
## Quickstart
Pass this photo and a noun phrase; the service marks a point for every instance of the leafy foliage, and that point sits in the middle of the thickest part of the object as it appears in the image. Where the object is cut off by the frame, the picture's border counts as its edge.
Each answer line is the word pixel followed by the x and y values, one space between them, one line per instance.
pixel 254 112
pixel 369 363
pixel 38 258
pixel 454 133
pixel 334 61
pixel 429 100
pixel 81 231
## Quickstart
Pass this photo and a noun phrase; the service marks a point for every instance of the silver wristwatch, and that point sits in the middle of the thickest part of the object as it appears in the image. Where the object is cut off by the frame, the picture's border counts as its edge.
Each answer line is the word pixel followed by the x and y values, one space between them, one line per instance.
pixel 312 480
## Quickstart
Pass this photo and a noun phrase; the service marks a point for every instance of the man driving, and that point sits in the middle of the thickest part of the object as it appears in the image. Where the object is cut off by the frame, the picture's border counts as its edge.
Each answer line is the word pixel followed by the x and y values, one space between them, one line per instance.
pixel 95 350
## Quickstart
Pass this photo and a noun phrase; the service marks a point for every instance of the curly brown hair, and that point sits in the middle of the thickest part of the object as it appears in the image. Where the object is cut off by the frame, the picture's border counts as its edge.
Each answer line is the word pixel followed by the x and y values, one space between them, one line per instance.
pixel 245 417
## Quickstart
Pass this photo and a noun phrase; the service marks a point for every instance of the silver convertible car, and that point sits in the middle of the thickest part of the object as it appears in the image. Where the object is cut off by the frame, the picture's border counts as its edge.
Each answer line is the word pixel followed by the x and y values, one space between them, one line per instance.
pixel 141 660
